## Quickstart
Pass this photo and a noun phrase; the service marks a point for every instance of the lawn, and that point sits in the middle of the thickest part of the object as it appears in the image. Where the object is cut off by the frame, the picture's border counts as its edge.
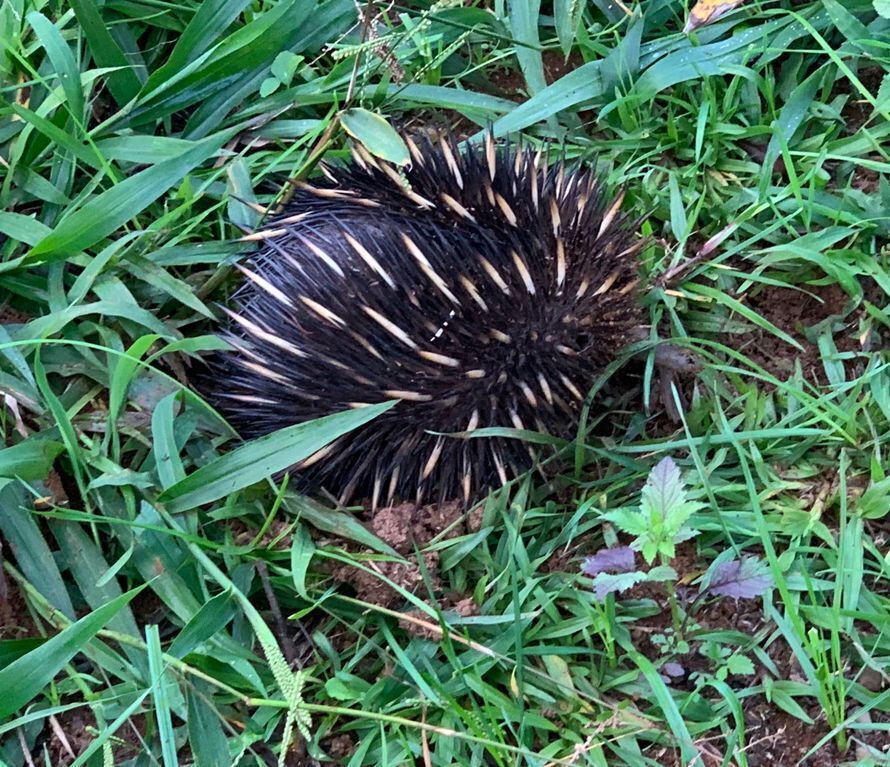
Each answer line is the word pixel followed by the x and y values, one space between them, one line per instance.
pixel 701 578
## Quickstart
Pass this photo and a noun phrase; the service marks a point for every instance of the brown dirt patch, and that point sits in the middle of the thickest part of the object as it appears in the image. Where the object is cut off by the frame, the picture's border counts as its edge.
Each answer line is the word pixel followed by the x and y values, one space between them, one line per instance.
pixel 795 311
pixel 777 738
pixel 773 737
pixel 556 65
pixel 147 607
pixel 274 538
pixel 475 518
pixel 10 316
pixel 428 630
pixel 403 527
pixel 866 180
pixel 407 524
pixel 509 82
pixel 339 748
pixel 720 614
pixel 504 81
pixel 15 618
pixel 857 111
pixel 849 175
pixel 561 561
pixel 55 492
pixel 69 734
pixel 437 123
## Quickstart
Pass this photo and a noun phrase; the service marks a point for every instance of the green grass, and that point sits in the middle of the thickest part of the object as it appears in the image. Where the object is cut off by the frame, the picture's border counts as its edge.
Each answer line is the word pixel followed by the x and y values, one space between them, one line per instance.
pixel 138 138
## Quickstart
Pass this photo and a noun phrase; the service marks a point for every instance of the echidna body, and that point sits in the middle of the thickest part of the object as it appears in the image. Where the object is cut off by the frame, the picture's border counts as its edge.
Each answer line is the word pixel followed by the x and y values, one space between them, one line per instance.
pixel 479 287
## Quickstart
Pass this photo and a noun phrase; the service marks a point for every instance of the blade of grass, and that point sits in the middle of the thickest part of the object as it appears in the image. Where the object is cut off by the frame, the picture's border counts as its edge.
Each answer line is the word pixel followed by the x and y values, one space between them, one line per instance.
pixel 29 460
pixel 263 457
pixel 31 550
pixel 123 81
pixel 25 678
pixel 211 18
pixel 523 20
pixel 160 683
pixel 206 737
pixel 168 463
pixel 62 60
pixel 674 718
pixel 105 213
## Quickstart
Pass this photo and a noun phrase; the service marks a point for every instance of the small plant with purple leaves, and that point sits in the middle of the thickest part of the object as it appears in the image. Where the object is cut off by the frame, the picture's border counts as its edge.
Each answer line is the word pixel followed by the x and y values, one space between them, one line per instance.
pixel 662 521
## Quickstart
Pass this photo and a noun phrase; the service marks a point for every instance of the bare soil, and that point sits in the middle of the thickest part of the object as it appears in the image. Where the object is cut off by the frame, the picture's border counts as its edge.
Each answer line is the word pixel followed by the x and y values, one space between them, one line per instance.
pixel 15 618
pixel 857 111
pixel 75 730
pixel 795 311
pixel 403 527
pixel 773 738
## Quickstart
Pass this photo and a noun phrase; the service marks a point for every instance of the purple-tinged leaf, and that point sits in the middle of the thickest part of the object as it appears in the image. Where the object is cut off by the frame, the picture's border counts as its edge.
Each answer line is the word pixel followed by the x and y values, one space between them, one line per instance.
pixel 664 500
pixel 665 484
pixel 714 242
pixel 606 583
pixel 617 560
pixel 672 669
pixel 740 579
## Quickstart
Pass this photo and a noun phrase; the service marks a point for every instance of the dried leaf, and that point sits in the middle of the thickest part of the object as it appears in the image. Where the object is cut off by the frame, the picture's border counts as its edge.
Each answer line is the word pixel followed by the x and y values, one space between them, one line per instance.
pixel 706 11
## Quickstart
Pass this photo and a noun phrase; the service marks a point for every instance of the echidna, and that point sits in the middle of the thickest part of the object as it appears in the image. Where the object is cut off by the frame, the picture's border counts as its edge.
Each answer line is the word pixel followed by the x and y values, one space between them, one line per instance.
pixel 480 287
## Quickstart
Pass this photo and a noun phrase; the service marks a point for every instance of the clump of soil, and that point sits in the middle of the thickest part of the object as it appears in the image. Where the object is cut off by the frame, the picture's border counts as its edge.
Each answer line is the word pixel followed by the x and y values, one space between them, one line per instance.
pixel 775 738
pixel 339 748
pixel 11 316
pixel 794 311
pixel 508 82
pixel 557 66
pixel 772 736
pixel 421 625
pixel 68 734
pixel 15 618
pixel 403 527
pixel 866 180
pixel 274 538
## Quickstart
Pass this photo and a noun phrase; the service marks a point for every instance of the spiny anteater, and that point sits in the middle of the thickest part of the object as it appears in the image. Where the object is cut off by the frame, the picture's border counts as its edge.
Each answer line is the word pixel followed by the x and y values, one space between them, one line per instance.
pixel 479 287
